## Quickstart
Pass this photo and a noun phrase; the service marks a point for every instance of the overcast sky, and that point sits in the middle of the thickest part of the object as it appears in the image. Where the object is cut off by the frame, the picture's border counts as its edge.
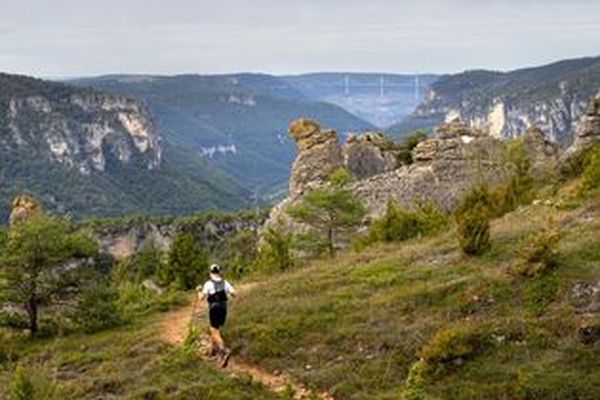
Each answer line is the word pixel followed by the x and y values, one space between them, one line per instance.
pixel 56 38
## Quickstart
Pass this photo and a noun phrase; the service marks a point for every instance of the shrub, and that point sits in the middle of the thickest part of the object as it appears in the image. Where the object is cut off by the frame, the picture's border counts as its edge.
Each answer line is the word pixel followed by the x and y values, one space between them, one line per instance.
pixel 276 250
pixel 135 300
pixel 474 230
pixel 591 171
pixel 458 341
pixel 399 224
pixel 13 320
pixel 32 385
pixel 240 254
pixel 404 154
pixel 540 293
pixel 142 266
pixel 414 387
pixel 186 264
pixel 97 308
pixel 537 253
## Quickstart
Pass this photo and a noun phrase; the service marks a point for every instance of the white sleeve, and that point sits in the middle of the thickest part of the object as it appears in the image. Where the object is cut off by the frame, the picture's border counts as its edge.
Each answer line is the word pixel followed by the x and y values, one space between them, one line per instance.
pixel 206 288
pixel 229 288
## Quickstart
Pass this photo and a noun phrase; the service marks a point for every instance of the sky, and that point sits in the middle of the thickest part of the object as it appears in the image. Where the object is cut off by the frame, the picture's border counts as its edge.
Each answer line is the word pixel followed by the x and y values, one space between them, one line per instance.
pixel 67 38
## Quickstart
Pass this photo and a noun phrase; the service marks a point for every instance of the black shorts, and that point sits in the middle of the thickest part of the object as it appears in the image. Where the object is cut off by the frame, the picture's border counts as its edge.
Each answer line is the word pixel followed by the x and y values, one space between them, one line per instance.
pixel 217 313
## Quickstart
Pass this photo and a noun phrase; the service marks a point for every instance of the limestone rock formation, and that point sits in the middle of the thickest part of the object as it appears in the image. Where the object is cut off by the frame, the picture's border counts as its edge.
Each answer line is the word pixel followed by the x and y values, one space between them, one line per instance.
pixel 369 154
pixel 320 154
pixel 588 133
pixel 542 151
pixel 445 168
pixel 23 206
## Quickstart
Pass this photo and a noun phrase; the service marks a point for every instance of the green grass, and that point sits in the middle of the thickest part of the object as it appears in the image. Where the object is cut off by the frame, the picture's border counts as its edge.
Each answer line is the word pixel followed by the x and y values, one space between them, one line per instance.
pixel 354 325
pixel 126 363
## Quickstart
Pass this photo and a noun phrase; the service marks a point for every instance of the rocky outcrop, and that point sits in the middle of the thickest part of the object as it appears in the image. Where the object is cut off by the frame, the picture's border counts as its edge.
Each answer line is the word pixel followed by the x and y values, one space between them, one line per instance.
pixel 369 154
pixel 588 133
pixel 319 155
pixel 445 169
pixel 78 128
pixel 23 207
pixel 542 152
pixel 124 241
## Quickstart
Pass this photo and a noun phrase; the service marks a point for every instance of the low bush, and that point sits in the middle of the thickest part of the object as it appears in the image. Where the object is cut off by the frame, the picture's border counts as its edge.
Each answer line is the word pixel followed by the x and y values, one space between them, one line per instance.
pixel 538 254
pixel 591 171
pixel 32 384
pixel 399 224
pixel 540 293
pixel 135 300
pixel 13 320
pixel 474 230
pixel 414 386
pixel 458 341
pixel 275 253
pixel 97 308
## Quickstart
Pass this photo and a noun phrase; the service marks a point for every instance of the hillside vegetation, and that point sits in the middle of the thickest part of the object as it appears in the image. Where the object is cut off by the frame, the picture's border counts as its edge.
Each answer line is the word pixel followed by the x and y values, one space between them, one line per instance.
pixel 421 320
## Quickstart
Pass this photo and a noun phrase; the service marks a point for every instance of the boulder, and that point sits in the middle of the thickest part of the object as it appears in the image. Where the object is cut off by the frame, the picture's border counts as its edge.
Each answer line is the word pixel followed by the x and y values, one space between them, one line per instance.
pixel 542 151
pixel 319 155
pixel 369 154
pixel 23 206
pixel 588 132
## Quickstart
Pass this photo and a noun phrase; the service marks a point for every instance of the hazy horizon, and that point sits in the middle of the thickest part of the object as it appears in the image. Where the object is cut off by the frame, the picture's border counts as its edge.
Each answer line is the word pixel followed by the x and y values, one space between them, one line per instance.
pixel 68 38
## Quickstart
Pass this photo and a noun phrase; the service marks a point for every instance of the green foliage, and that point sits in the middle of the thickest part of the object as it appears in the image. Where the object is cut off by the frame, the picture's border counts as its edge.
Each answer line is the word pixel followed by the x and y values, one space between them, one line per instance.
pixel 474 230
pixel 538 253
pixel 240 254
pixel 330 209
pixel 276 250
pixel 591 171
pixel 457 341
pixel 398 223
pixel 32 385
pixel 186 265
pixel 135 300
pixel 519 189
pixel 404 154
pixel 97 307
pixel 540 293
pixel 414 388
pixel 143 265
pixel 32 262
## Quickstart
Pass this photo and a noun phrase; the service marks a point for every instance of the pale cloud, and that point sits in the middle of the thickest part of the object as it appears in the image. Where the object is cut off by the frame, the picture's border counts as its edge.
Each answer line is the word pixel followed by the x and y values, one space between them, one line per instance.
pixel 84 37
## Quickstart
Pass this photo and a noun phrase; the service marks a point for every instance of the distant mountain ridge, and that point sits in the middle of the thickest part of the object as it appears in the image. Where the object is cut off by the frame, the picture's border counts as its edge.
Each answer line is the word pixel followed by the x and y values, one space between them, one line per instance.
pixel 238 122
pixel 552 96
pixel 93 153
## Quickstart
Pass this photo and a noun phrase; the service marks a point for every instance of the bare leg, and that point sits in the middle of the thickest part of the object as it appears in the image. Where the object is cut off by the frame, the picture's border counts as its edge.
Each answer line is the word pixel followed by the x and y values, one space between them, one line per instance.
pixel 217 341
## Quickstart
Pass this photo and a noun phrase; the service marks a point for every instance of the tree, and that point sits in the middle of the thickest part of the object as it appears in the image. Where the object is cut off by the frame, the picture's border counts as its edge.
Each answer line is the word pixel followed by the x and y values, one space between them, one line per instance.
pixel 37 262
pixel 330 209
pixel 276 249
pixel 187 262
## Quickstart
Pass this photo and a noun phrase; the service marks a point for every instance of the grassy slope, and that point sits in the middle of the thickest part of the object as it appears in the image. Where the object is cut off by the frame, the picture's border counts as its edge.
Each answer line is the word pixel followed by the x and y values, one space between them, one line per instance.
pixel 128 363
pixel 354 325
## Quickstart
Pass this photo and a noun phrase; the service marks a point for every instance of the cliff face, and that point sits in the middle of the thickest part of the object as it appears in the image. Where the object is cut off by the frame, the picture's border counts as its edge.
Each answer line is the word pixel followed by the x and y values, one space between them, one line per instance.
pixel 504 104
pixel 505 117
pixel 77 128
pixel 87 152
pixel 212 233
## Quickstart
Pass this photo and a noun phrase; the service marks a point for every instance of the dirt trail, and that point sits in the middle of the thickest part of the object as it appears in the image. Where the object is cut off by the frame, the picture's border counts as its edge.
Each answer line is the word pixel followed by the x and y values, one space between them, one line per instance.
pixel 174 328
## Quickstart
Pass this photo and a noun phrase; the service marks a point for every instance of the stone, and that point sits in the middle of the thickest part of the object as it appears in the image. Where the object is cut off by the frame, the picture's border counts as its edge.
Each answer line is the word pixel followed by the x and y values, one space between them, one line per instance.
pixel 542 151
pixel 585 297
pixel 23 207
pixel 588 132
pixel 368 155
pixel 320 154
